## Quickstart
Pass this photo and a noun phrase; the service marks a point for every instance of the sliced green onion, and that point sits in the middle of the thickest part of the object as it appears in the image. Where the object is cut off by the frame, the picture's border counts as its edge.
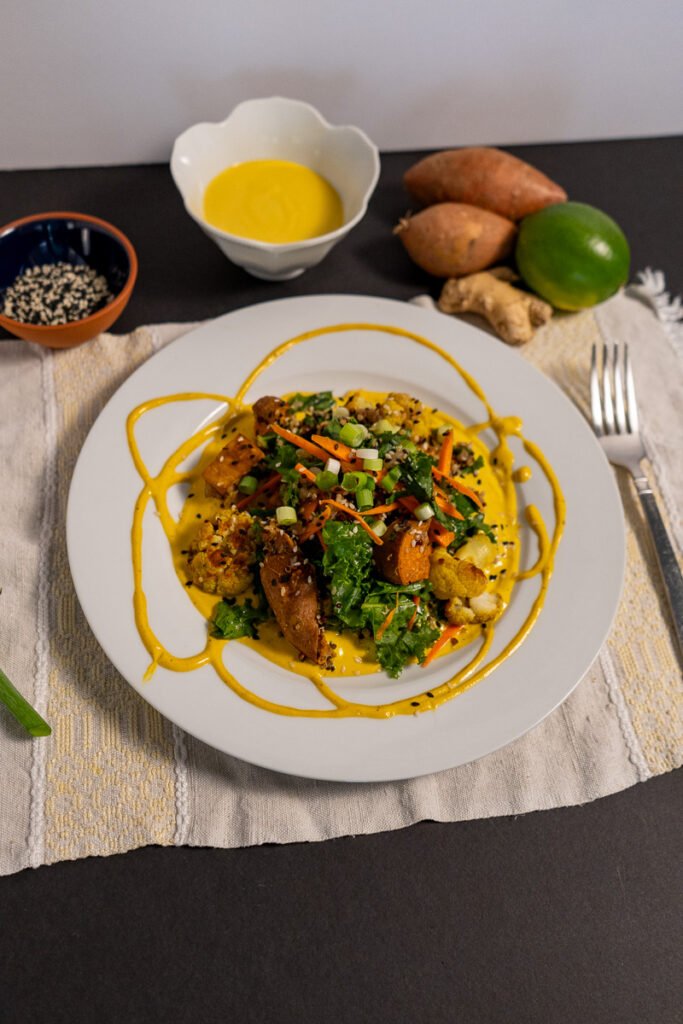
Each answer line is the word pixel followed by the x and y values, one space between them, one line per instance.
pixel 390 479
pixel 424 512
pixel 21 709
pixel 285 515
pixel 333 466
pixel 367 453
pixel 353 434
pixel 340 412
pixel 384 427
pixel 373 465
pixel 364 498
pixel 247 485
pixel 442 431
pixel 352 481
pixel 325 481
pixel 377 526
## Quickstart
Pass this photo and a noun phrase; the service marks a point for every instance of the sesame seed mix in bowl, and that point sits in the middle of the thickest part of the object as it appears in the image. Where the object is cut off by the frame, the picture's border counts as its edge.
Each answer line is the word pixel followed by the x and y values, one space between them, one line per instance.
pixel 55 293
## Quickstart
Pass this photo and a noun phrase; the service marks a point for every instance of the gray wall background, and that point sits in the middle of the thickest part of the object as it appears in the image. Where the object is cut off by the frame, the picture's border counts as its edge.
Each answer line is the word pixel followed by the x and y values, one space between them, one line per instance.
pixel 89 82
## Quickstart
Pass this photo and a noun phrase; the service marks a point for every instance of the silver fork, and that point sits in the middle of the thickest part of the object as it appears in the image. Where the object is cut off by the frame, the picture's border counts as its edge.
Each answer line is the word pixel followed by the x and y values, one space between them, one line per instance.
pixel 615 421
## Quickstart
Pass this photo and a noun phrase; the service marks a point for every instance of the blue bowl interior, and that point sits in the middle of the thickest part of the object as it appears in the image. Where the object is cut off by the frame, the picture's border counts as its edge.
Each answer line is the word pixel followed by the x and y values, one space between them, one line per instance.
pixel 67 240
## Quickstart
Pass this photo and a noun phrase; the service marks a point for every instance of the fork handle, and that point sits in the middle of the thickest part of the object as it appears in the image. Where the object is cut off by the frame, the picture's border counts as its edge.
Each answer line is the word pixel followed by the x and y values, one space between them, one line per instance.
pixel 666 557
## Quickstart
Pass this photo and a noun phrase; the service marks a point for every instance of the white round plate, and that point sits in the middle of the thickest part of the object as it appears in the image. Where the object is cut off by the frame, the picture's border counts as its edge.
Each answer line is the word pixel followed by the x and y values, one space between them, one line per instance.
pixel 582 598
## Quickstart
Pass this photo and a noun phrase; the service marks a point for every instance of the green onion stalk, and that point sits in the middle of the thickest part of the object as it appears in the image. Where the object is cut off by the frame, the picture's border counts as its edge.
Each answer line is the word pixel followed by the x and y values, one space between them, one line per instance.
pixel 21 709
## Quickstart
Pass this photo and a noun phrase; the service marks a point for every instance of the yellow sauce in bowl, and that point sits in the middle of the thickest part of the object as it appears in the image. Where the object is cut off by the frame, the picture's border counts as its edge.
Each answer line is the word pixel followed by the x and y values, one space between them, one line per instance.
pixel 276 201
pixel 352 658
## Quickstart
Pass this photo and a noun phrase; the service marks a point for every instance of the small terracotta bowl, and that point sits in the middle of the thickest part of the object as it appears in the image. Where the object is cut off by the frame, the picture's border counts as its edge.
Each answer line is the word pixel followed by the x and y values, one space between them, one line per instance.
pixel 72 238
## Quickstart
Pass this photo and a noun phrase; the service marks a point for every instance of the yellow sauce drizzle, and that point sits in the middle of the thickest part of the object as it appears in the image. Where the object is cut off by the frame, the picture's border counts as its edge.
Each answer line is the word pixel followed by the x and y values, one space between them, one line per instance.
pixel 352 659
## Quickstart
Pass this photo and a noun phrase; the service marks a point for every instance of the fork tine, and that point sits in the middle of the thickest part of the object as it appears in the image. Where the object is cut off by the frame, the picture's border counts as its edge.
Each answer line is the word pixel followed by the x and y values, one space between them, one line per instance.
pixel 631 404
pixel 596 405
pixel 607 405
pixel 619 406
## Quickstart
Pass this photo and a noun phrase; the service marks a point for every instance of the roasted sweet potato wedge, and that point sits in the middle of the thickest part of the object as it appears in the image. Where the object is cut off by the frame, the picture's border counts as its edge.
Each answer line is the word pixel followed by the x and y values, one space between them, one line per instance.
pixel 268 410
pixel 405 555
pixel 232 463
pixel 290 586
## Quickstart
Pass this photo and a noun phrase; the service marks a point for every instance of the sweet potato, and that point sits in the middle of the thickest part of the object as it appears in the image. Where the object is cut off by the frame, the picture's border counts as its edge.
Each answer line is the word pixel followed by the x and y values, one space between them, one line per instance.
pixel 451 239
pixel 291 590
pixel 405 555
pixel 232 463
pixel 269 410
pixel 485 177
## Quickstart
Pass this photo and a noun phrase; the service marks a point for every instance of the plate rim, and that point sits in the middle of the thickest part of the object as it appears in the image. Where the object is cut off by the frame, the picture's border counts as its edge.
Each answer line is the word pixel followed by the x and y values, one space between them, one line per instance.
pixel 397 306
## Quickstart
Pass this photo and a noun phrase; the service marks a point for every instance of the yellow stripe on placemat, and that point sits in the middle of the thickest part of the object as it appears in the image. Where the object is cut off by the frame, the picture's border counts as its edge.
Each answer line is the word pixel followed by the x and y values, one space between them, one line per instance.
pixel 110 769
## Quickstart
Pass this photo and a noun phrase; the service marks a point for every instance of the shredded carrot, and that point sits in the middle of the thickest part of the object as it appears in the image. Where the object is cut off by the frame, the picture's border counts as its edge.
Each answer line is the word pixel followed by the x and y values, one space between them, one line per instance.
pixel 446 506
pixel 446 453
pixel 347 457
pixel 379 509
pixel 315 526
pixel 412 503
pixel 413 617
pixel 456 485
pixel 307 509
pixel 387 622
pixel 409 502
pixel 439 534
pixel 305 471
pixel 267 485
pixel 356 515
pixel 448 634
pixel 336 448
pixel 300 442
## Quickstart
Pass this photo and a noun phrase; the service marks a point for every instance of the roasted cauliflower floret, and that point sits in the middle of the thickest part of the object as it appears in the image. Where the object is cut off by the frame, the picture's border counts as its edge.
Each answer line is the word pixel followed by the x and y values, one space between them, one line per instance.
pixel 455 577
pixel 399 409
pixel 484 608
pixel 480 550
pixel 458 613
pixel 487 607
pixel 220 556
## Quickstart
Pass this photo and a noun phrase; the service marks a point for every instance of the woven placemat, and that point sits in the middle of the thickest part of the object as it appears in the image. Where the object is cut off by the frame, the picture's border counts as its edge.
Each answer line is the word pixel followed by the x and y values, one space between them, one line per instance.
pixel 115 775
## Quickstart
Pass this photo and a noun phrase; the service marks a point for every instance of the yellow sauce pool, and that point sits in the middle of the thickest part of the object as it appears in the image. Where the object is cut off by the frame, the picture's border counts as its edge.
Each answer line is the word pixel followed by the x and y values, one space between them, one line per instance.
pixel 352 658
pixel 276 201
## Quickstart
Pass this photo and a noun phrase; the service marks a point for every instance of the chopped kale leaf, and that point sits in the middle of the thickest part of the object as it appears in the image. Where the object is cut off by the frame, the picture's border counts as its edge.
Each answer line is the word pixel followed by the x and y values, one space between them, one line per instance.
pixel 232 621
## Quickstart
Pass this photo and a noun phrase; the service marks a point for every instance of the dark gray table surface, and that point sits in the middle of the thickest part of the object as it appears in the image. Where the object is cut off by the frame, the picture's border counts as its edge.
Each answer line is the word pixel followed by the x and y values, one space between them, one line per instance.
pixel 571 915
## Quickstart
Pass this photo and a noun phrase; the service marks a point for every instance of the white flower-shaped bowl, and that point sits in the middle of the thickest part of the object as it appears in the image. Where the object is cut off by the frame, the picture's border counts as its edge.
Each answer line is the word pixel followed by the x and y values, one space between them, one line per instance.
pixel 279 129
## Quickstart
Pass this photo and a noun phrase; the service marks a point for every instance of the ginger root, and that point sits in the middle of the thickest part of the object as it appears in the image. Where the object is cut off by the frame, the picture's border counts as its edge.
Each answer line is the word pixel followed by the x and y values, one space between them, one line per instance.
pixel 513 313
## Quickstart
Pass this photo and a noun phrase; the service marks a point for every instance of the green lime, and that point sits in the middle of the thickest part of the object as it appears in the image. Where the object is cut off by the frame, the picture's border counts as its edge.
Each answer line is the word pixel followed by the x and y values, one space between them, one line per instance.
pixel 572 255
